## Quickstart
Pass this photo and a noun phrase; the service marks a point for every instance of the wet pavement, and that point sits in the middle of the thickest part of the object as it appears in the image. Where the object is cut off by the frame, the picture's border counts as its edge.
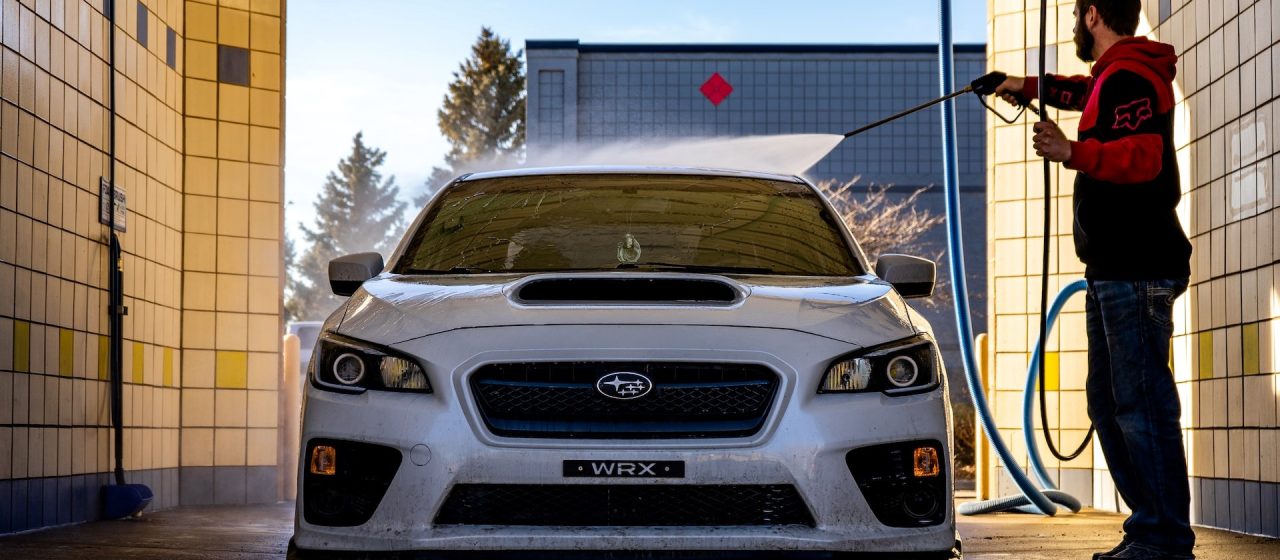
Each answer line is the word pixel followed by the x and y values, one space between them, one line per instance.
pixel 260 532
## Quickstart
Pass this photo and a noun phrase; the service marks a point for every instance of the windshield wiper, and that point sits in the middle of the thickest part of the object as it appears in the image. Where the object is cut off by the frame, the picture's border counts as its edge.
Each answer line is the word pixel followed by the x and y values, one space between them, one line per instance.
pixel 698 268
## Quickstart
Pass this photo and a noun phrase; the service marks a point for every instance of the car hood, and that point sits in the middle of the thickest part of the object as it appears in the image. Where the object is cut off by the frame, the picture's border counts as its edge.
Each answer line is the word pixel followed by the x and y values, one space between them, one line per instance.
pixel 391 309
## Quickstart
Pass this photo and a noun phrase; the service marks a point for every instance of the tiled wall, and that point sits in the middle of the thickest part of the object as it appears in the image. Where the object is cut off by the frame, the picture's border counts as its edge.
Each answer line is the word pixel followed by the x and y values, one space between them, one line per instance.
pixel 1225 356
pixel 591 94
pixel 55 437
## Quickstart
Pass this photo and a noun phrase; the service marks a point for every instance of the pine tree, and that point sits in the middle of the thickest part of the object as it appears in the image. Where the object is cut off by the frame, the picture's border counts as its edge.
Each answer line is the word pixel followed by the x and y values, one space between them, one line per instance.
pixel 357 211
pixel 483 112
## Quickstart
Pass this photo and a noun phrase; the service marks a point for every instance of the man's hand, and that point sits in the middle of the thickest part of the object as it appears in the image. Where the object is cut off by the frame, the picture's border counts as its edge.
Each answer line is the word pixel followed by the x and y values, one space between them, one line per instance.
pixel 1011 90
pixel 1050 142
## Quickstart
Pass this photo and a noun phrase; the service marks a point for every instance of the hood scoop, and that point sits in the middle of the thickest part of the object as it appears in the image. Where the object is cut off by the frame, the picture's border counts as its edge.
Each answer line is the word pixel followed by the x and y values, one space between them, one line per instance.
pixel 627 291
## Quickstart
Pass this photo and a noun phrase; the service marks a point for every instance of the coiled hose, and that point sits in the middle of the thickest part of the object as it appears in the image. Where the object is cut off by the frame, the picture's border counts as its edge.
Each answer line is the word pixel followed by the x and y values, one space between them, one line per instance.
pixel 1032 499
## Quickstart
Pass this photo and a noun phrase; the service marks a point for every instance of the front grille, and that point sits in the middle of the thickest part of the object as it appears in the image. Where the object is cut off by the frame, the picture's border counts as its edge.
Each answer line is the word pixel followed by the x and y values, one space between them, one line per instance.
pixel 560 399
pixel 644 505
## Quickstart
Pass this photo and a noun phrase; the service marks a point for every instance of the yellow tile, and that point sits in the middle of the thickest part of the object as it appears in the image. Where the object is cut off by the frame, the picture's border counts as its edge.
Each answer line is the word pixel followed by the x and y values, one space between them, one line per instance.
pixel 233 103
pixel 232 370
pixel 202 60
pixel 201 176
pixel 264 107
pixel 264 220
pixel 1206 354
pixel 233 27
pixel 233 179
pixel 264 33
pixel 264 182
pixel 168 367
pixel 264 145
pixel 202 98
pixel 202 137
pixel 233 141
pixel 66 352
pixel 21 346
pixel 265 6
pixel 1052 371
pixel 1249 334
pixel 139 361
pixel 264 70
pixel 104 357
pixel 201 22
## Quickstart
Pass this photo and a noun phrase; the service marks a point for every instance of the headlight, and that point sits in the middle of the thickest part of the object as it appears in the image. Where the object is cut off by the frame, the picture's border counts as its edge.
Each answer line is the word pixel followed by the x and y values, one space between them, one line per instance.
pixel 349 365
pixel 904 366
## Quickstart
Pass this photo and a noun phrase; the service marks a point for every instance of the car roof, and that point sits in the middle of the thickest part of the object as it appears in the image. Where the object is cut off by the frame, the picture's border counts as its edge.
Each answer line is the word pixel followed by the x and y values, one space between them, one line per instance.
pixel 627 170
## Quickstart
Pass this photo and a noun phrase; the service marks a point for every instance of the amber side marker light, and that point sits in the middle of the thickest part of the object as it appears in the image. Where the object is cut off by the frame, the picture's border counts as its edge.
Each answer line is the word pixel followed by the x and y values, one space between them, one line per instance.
pixel 324 460
pixel 925 464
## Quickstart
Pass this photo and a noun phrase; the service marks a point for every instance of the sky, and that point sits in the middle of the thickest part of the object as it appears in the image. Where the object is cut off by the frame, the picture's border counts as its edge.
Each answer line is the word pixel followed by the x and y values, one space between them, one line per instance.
pixel 382 66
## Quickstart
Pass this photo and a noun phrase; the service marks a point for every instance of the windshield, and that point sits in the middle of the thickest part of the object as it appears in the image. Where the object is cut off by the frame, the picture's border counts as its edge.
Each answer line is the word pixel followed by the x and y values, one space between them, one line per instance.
pixel 628 222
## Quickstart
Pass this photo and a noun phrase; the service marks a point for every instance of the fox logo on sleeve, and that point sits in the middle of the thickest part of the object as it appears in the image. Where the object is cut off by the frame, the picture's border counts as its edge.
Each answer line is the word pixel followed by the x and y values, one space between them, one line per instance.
pixel 1131 115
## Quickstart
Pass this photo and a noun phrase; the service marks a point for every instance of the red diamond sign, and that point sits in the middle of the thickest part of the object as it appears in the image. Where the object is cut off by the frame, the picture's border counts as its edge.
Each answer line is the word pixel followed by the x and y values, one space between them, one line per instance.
pixel 716 88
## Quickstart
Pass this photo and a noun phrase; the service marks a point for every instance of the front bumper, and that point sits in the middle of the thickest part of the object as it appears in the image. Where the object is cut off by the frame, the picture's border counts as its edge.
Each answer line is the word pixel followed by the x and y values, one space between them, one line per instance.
pixel 803 443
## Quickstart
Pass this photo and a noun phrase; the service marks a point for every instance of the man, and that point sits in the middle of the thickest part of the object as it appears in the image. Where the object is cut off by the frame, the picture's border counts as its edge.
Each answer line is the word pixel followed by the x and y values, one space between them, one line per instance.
pixel 1137 262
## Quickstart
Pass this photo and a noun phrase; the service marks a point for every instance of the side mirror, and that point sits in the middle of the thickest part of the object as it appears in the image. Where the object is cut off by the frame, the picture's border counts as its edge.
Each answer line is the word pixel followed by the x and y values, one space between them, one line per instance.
pixel 347 273
pixel 913 277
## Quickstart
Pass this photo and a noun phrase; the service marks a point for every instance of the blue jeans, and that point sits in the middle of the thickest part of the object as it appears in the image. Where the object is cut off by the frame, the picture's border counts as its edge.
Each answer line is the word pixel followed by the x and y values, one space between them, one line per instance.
pixel 1134 406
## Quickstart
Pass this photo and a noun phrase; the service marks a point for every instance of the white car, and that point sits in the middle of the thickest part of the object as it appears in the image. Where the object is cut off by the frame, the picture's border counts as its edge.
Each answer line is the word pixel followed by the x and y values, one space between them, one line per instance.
pixel 612 359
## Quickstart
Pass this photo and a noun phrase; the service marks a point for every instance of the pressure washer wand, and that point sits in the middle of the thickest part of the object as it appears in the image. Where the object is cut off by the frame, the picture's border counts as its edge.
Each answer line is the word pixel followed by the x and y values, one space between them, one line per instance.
pixel 986 85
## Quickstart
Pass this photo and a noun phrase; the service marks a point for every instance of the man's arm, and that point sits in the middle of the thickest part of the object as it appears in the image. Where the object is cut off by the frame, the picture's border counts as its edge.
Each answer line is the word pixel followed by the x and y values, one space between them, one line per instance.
pixel 1128 113
pixel 1063 92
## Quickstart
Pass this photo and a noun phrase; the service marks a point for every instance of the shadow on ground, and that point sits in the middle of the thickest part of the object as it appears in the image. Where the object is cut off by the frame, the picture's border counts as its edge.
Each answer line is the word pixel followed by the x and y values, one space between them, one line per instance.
pixel 260 532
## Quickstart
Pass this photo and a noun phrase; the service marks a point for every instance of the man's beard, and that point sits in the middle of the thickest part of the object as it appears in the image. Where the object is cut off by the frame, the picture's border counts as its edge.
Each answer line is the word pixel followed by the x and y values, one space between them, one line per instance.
pixel 1084 41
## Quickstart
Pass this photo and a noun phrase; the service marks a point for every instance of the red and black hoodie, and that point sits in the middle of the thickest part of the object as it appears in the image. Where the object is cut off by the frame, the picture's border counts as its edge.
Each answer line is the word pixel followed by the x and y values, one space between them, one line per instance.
pixel 1127 185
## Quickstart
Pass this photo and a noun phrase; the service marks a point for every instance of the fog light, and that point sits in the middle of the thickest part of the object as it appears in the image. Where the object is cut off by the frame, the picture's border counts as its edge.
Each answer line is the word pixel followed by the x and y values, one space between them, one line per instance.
pixel 926 462
pixel 324 460
pixel 903 371
pixel 920 502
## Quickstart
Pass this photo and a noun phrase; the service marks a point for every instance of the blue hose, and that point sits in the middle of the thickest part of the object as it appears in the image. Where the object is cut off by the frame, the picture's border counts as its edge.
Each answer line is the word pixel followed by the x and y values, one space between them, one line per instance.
pixel 1028 404
pixel 1032 498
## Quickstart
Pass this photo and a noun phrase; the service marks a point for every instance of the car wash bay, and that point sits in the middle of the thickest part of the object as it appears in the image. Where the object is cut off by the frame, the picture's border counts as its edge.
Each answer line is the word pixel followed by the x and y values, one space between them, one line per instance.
pixel 200 159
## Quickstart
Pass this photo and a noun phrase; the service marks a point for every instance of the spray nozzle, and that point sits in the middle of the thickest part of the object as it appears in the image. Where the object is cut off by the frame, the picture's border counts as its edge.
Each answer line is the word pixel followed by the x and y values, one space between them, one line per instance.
pixel 986 85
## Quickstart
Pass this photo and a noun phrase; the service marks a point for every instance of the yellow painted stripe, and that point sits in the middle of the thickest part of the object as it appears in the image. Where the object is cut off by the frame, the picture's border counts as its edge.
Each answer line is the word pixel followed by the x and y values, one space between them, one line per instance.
pixel 232 370
pixel 1052 374
pixel 168 367
pixel 66 352
pixel 1206 355
pixel 104 356
pixel 1251 352
pixel 139 360
pixel 21 346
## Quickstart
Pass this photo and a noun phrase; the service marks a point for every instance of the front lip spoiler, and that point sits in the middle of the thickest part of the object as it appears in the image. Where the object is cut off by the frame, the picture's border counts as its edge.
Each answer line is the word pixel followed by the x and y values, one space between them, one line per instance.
pixel 295 553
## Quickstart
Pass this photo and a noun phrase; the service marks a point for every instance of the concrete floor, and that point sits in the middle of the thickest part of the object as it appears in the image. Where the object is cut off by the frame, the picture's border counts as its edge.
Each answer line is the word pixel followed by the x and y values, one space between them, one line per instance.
pixel 259 532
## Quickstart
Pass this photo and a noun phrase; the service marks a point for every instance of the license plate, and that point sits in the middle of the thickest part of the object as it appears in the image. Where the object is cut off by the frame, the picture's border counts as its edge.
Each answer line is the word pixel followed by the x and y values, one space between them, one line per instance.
pixel 624 469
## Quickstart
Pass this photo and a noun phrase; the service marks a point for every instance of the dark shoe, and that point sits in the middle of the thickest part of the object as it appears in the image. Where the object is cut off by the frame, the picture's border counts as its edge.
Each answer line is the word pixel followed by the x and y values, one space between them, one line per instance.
pixel 1137 551
pixel 1124 543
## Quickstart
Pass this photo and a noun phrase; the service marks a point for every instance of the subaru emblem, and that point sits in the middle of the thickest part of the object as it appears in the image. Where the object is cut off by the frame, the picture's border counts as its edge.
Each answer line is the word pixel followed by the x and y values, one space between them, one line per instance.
pixel 624 385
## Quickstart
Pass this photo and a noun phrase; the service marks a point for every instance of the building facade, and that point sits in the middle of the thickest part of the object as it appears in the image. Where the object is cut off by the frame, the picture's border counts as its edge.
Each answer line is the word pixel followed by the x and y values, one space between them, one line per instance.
pixel 198 147
pixel 588 95
pixel 1226 345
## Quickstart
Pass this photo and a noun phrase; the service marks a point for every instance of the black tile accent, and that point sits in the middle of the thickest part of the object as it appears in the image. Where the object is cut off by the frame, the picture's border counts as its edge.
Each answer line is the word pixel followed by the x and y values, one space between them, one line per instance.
pixel 196 486
pixel 80 499
pixel 6 506
pixel 1271 509
pixel 63 495
pixel 229 485
pixel 1237 506
pixel 261 485
pixel 171 47
pixel 142 23
pixel 1222 499
pixel 1197 502
pixel 233 65
pixel 1252 508
pixel 18 504
pixel 1166 10
pixel 49 497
